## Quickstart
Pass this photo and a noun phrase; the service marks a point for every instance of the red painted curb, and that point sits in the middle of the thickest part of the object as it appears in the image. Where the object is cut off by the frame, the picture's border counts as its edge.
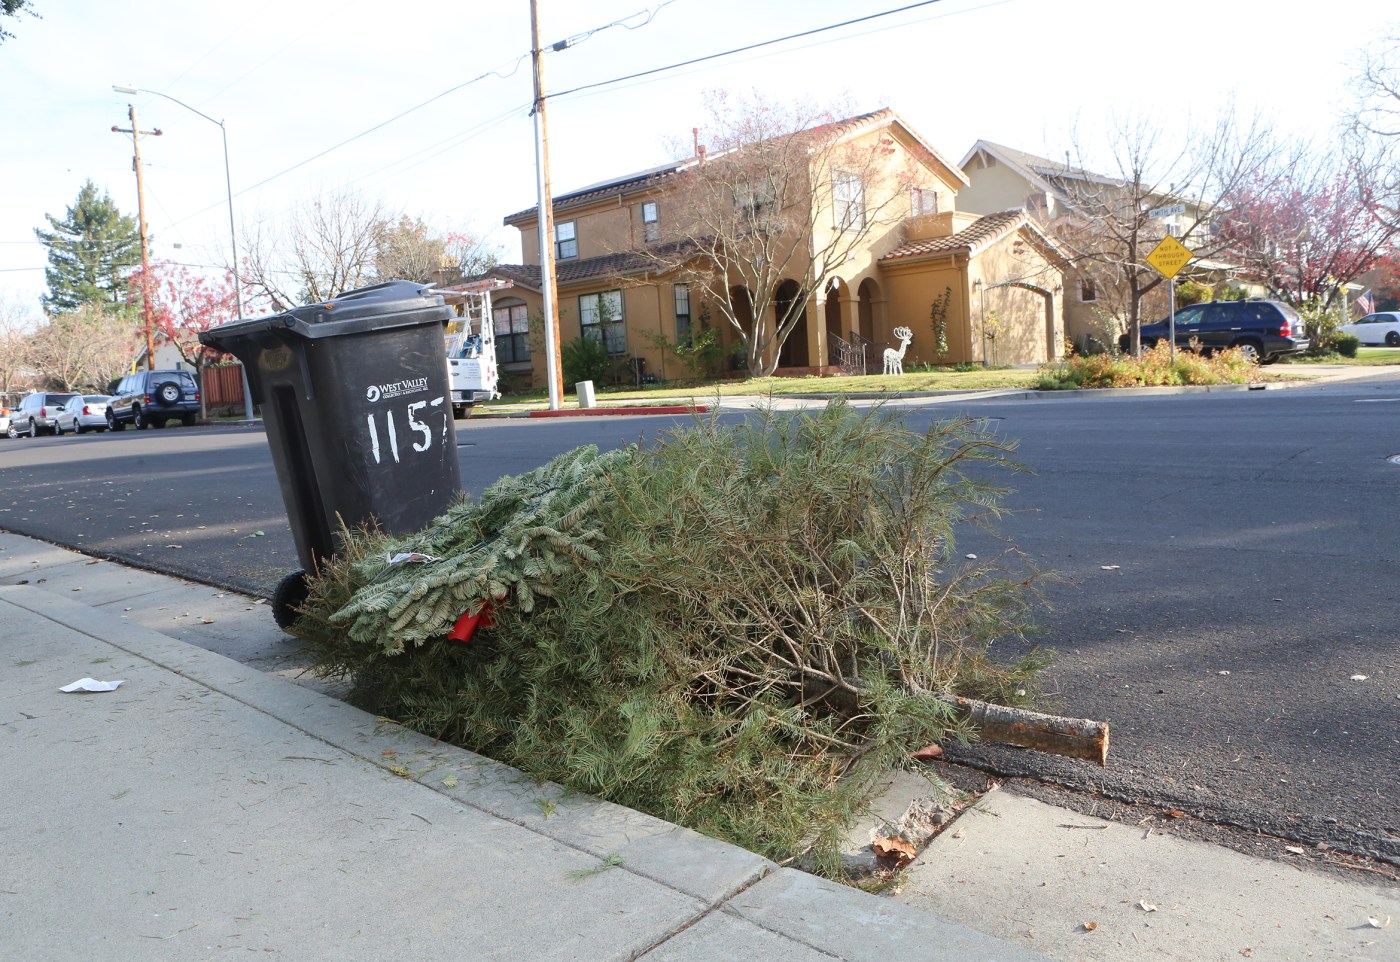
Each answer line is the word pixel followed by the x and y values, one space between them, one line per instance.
pixel 590 412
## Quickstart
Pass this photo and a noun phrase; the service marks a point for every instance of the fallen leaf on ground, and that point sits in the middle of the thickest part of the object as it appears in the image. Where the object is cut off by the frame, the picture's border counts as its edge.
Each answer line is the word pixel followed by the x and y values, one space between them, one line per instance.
pixel 1090 926
pixel 1174 813
pixel 895 848
pixel 928 753
pixel 1226 672
pixel 1294 849
pixel 1247 953
pixel 1376 923
pixel 1146 906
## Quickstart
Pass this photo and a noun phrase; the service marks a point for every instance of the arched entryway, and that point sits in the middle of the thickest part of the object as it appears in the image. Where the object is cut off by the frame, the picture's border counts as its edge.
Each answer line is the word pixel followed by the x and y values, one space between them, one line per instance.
pixel 1052 348
pixel 869 313
pixel 789 300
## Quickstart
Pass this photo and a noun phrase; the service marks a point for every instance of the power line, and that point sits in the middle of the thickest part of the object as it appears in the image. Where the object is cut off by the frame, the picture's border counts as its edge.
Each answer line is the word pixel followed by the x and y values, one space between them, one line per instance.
pixel 746 48
pixel 378 126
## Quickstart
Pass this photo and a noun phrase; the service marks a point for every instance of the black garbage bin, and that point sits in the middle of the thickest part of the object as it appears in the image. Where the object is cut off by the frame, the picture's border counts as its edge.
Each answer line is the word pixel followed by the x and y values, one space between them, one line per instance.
pixel 357 404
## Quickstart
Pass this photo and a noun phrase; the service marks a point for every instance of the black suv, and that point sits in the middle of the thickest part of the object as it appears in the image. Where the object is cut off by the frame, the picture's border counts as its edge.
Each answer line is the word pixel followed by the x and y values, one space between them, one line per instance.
pixel 151 398
pixel 38 413
pixel 1264 331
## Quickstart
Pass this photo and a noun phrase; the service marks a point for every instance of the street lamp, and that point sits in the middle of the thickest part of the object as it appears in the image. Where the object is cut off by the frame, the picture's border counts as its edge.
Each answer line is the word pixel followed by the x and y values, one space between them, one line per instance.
pixel 232 231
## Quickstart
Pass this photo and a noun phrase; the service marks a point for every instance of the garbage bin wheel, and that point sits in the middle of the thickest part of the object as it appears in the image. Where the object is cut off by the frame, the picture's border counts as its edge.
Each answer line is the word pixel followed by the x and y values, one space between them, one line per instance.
pixel 169 392
pixel 287 598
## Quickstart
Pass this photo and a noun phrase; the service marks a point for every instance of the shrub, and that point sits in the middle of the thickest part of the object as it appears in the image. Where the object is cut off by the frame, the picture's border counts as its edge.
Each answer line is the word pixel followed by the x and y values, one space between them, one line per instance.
pixel 732 630
pixel 1193 292
pixel 1346 344
pixel 1156 368
pixel 585 359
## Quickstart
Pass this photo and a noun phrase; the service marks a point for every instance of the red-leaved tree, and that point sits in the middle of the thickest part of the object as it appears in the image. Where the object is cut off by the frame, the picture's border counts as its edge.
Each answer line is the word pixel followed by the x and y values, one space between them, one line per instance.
pixel 183 304
pixel 1307 229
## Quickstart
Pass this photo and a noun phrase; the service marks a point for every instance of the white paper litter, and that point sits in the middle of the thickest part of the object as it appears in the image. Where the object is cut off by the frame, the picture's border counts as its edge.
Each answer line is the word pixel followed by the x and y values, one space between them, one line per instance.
pixel 92 684
pixel 413 557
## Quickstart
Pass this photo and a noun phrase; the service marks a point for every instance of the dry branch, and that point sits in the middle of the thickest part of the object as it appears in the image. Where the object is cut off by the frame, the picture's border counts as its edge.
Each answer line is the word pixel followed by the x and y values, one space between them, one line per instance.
pixel 1072 737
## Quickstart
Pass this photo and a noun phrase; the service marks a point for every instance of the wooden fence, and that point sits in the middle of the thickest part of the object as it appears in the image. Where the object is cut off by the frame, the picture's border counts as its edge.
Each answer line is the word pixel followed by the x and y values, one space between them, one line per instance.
pixel 223 388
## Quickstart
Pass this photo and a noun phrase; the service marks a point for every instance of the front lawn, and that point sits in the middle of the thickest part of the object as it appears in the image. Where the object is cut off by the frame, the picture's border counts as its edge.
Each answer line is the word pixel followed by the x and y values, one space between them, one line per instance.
pixel 933 379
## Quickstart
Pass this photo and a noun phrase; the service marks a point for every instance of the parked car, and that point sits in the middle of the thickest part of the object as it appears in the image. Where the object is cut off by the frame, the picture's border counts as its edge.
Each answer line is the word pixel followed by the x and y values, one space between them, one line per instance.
pixel 7 424
pixel 83 412
pixel 153 398
pixel 36 413
pixel 1382 328
pixel 1264 331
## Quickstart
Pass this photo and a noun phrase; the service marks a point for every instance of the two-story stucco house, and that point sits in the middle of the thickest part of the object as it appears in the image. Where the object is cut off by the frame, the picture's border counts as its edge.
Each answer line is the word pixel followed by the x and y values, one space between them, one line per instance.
pixel 629 265
pixel 1053 193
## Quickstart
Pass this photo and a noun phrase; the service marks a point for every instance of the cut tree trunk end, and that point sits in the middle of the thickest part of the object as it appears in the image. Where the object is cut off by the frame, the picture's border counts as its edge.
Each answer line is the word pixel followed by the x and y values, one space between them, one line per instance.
pixel 1072 737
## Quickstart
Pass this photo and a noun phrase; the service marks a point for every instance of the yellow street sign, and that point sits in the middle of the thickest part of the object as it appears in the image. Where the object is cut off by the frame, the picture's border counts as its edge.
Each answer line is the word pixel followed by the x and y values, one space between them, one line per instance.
pixel 1169 257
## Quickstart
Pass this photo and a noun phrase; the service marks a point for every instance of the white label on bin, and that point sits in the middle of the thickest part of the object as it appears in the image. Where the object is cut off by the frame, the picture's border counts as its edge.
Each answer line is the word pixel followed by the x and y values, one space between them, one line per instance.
pixel 387 392
pixel 391 431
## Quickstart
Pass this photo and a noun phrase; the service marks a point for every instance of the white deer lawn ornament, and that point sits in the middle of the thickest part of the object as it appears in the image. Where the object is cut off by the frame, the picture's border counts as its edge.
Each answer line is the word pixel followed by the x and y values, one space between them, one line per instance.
pixel 894 360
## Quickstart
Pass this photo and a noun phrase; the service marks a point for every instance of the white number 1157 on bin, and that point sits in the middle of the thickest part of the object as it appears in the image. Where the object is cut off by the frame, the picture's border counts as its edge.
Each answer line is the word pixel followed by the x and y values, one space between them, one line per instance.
pixel 415 428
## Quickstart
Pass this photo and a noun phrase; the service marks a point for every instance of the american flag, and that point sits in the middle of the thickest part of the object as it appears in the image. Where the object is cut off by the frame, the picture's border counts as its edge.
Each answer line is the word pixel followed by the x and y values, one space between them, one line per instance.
pixel 1366 303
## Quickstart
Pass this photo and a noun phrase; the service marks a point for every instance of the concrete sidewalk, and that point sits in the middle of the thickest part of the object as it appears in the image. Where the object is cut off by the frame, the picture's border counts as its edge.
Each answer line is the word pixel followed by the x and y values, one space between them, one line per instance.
pixel 211 805
pixel 206 807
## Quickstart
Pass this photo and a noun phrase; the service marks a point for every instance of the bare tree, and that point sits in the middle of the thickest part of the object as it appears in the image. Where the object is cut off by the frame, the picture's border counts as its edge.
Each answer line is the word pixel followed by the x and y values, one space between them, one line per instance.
pixel 784 193
pixel 83 349
pixel 410 251
pixel 17 322
pixel 1106 228
pixel 1375 125
pixel 323 247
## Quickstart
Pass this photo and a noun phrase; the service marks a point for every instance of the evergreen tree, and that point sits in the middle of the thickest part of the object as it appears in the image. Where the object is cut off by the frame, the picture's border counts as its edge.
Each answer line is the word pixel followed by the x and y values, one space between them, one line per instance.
pixel 90 251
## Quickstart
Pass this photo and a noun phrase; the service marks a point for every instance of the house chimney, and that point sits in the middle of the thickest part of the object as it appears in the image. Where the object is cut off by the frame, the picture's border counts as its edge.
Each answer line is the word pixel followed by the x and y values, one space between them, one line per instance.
pixel 699 147
pixel 700 151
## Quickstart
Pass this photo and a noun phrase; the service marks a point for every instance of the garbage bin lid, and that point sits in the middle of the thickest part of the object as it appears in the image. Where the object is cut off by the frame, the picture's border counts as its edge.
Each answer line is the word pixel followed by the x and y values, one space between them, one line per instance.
pixel 382 306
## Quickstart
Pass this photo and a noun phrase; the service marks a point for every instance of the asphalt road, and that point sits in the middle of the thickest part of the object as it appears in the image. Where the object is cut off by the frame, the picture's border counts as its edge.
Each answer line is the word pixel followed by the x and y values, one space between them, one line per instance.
pixel 1229 565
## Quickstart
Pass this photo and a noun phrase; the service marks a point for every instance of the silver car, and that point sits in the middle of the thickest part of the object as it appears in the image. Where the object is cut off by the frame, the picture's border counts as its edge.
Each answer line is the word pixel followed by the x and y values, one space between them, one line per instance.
pixel 83 412
pixel 36 412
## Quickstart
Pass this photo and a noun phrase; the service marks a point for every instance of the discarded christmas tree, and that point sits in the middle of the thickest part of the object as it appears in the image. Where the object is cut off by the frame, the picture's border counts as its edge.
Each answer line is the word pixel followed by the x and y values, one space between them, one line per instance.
pixel 736 629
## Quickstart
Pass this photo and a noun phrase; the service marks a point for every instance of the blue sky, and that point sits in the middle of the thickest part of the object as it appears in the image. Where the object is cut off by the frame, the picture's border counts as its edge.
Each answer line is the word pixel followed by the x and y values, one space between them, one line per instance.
pixel 292 78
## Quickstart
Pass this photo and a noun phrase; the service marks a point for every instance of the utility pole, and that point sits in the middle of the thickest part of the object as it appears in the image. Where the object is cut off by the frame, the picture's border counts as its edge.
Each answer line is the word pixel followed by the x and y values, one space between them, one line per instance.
pixel 136 133
pixel 546 218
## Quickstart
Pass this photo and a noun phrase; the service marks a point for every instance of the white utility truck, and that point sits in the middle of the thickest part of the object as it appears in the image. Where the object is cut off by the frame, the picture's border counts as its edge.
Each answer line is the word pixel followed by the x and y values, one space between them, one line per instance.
pixel 471 344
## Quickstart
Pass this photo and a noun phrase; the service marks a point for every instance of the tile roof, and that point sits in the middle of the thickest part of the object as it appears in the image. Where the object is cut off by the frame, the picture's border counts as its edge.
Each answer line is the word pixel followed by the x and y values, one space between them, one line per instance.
pixel 642 180
pixel 971 239
pixel 572 271
pixel 656 176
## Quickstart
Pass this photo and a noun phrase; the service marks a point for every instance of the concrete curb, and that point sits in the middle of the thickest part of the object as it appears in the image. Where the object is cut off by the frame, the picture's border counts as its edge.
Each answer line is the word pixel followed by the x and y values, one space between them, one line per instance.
pixel 192 722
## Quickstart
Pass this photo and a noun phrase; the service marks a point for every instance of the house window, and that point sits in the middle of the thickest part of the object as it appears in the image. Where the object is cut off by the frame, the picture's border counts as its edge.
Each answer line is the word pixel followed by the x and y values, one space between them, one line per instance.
pixel 651 226
pixel 1088 293
pixel 681 293
pixel 565 240
pixel 752 198
pixel 601 317
pixel 924 202
pixel 511 323
pixel 848 199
